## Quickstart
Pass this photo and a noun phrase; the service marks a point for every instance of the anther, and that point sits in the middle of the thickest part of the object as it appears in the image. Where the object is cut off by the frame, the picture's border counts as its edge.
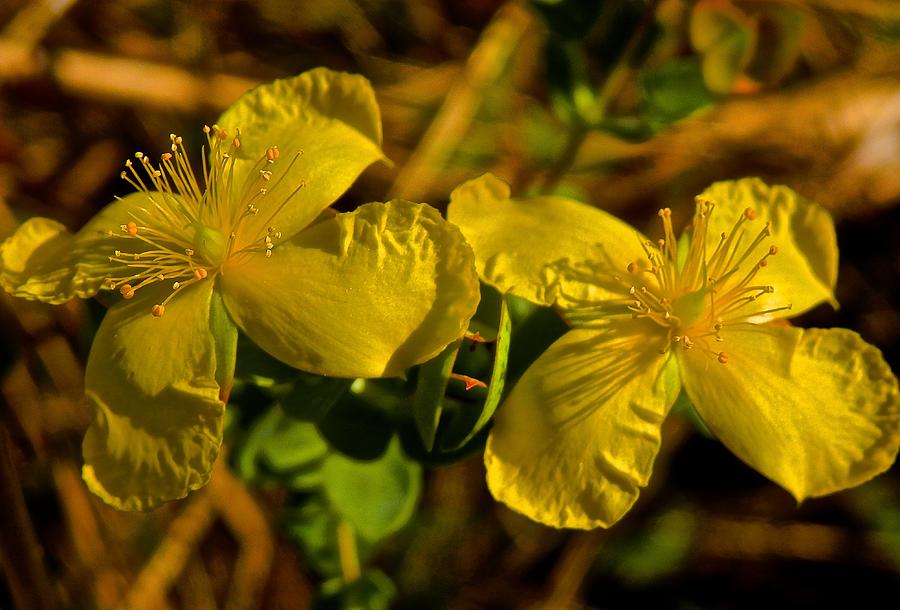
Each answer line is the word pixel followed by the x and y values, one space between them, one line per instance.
pixel 126 291
pixel 131 228
pixel 722 358
pixel 220 133
pixel 272 154
pixel 665 212
pixel 632 267
pixel 773 250
pixel 268 254
pixel 236 143
pixel 176 285
pixel 749 214
pixel 206 129
pixel 200 273
pixel 166 156
pixel 138 155
pixel 189 252
pixel 158 310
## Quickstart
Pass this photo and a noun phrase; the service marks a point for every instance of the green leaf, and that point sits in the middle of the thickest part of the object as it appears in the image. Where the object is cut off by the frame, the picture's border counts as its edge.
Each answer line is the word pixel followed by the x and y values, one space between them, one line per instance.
pixel 357 426
pixel 432 383
pixel 313 526
pixel 568 19
pixel 277 443
pixel 377 497
pixel 255 366
pixel 371 591
pixel 466 426
pixel 780 31
pixel 657 550
pixel 684 407
pixel 726 38
pixel 311 396
pixel 673 91
pixel 534 330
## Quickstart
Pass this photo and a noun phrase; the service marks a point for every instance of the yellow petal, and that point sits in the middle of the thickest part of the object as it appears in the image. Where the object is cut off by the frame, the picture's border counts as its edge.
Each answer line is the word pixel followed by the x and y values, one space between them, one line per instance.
pixel 814 410
pixel 43 261
pixel 331 117
pixel 157 417
pixel 545 249
pixel 575 441
pixel 364 294
pixel 804 272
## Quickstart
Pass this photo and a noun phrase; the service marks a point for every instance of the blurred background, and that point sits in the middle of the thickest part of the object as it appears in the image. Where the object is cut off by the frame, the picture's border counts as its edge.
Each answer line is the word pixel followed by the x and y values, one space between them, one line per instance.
pixel 326 496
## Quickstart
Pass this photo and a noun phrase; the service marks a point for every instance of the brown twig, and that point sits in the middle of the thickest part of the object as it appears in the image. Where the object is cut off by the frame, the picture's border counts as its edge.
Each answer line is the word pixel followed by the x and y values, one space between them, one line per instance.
pixel 247 523
pixel 171 556
pixel 21 556
pixel 485 65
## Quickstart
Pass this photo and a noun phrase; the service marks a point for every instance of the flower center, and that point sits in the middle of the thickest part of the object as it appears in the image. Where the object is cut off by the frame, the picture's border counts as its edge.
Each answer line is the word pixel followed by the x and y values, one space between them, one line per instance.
pixel 186 233
pixel 697 298
pixel 210 244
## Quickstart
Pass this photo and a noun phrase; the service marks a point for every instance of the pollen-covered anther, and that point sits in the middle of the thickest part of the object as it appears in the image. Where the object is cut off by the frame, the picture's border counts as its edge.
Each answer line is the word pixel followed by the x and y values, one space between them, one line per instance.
pixel 632 267
pixel 272 154
pixel 722 357
pixel 131 228
pixel 236 143
pixel 749 214
pixel 127 291
pixel 773 250
pixel 200 273
pixel 158 310
pixel 166 156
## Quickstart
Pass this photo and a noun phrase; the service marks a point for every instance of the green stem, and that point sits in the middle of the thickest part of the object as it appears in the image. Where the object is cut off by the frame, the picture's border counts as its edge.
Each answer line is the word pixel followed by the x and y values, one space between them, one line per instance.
pixel 348 553
pixel 611 87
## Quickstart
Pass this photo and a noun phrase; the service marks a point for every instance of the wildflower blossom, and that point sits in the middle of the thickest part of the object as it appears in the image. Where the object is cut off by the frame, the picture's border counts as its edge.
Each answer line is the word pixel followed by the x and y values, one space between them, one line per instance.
pixel 814 410
pixel 246 245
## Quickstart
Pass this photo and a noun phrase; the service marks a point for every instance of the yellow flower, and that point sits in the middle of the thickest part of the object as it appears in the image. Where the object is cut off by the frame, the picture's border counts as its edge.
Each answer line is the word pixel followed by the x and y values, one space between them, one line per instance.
pixel 248 245
pixel 814 410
